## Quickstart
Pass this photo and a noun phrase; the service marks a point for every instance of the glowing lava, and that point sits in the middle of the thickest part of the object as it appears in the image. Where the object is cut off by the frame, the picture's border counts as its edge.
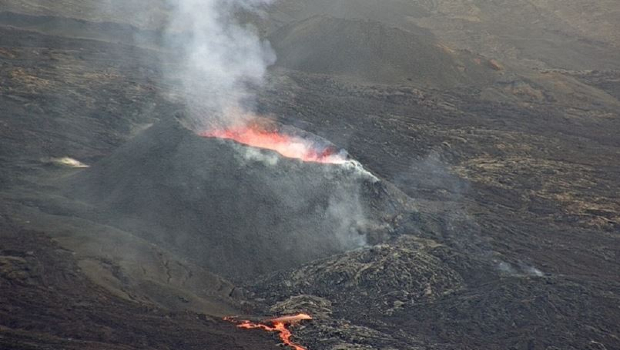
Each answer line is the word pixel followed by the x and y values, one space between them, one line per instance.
pixel 289 146
pixel 276 325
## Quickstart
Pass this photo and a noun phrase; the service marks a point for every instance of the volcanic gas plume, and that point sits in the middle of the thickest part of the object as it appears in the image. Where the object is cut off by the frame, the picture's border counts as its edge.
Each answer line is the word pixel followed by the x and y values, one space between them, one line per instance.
pixel 278 324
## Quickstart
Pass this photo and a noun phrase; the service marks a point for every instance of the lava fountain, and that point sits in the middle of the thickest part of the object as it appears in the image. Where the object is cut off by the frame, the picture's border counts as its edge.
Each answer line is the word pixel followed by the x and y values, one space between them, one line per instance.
pixel 263 134
pixel 278 325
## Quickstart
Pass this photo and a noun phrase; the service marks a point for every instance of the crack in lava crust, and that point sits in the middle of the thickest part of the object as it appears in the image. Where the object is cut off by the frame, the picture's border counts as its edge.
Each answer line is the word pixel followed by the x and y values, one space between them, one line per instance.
pixel 275 325
pixel 286 145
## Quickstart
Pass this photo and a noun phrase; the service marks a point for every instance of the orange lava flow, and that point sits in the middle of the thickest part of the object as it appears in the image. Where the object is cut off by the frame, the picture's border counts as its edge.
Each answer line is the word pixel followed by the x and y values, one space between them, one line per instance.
pixel 286 145
pixel 276 325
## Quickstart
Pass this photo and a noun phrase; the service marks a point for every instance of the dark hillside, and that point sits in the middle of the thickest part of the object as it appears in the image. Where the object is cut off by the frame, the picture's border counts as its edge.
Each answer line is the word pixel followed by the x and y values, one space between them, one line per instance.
pixel 374 52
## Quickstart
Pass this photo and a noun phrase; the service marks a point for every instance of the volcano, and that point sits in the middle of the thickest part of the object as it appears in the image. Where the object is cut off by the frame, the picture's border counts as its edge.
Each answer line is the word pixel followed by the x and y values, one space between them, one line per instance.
pixel 237 209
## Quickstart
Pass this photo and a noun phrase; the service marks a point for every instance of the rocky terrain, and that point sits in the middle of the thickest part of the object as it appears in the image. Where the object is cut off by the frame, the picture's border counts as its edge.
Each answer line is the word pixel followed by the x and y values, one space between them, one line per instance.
pixel 371 51
pixel 495 145
pixel 47 303
pixel 539 33
pixel 175 188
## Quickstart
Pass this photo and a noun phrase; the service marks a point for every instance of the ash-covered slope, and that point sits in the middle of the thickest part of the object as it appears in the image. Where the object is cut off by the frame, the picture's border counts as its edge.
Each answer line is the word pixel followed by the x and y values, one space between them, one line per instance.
pixel 374 52
pixel 236 210
pixel 540 33
pixel 48 303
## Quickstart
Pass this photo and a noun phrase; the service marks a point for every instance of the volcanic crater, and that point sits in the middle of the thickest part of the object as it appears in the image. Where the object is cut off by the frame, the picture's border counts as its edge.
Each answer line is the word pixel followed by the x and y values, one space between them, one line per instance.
pixel 233 208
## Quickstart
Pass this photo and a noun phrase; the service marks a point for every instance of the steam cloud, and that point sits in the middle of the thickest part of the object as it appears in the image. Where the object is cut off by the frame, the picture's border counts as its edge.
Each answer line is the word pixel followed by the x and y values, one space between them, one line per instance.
pixel 222 63
pixel 221 59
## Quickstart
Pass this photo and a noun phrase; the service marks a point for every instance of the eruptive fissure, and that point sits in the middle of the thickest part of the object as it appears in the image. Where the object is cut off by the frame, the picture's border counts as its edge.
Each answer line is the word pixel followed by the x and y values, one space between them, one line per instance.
pixel 267 136
pixel 278 324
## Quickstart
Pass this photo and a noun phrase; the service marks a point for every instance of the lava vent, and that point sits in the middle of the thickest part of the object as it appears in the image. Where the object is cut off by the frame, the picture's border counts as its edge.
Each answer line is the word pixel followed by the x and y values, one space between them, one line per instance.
pixel 237 209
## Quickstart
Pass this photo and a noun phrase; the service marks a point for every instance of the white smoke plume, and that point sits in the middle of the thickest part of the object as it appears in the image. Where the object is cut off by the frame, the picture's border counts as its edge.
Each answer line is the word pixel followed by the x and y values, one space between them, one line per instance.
pixel 223 62
pixel 346 210
pixel 522 269
pixel 221 59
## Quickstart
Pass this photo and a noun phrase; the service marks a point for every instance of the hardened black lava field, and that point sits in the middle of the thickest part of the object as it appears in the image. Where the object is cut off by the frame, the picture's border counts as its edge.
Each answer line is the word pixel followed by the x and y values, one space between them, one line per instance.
pixel 480 208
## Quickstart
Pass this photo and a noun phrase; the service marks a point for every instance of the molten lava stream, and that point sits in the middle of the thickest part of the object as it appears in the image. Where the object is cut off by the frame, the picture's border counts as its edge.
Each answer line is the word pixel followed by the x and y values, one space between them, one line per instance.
pixel 287 145
pixel 277 325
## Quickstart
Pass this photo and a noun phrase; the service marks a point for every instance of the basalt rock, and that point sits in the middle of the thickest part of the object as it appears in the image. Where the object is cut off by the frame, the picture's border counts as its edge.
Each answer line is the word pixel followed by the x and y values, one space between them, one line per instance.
pixel 237 210
pixel 380 280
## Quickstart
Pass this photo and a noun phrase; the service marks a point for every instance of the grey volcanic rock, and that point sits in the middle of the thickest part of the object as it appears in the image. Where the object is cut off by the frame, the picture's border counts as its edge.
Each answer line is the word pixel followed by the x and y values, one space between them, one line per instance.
pixel 374 52
pixel 236 210
pixel 574 35
pixel 380 279
pixel 354 296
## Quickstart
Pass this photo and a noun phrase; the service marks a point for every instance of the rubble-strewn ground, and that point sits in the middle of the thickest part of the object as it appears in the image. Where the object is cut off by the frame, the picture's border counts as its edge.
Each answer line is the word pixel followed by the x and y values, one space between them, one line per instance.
pixel 514 245
pixel 48 303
